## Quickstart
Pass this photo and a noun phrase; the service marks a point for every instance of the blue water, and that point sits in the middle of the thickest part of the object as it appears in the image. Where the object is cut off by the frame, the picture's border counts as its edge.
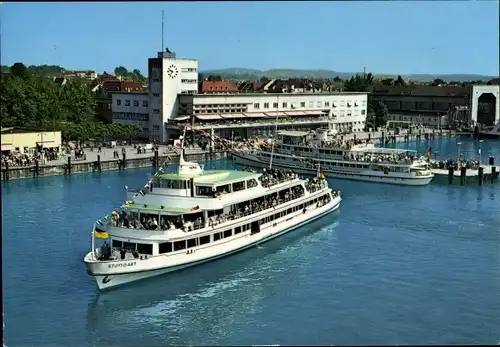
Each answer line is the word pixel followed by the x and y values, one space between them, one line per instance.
pixel 395 265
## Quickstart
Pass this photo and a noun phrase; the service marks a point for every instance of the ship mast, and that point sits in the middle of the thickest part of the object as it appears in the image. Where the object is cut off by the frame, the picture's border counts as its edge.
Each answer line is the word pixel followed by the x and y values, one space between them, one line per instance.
pixel 275 132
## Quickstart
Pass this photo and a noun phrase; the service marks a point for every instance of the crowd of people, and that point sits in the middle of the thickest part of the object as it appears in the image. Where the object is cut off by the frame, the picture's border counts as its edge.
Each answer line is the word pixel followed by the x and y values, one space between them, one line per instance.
pixel 17 159
pixel 456 164
pixel 394 158
pixel 315 184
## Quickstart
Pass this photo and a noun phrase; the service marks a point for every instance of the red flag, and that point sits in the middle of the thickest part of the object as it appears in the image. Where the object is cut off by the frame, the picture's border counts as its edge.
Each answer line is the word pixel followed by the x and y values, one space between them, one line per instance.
pixel 197 207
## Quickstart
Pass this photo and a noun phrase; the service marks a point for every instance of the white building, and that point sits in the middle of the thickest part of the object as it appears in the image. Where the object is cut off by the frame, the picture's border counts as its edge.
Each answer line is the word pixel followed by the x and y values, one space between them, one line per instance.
pixel 172 98
pixel 485 104
pixel 169 76
pixel 256 113
pixel 131 108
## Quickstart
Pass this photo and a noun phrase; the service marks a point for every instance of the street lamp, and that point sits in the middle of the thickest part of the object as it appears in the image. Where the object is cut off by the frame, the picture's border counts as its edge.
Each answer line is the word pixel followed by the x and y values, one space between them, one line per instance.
pixel 458 150
pixel 480 150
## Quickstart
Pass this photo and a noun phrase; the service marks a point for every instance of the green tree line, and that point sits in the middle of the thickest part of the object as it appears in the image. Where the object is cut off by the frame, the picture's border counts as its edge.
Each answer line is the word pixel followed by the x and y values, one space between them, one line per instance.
pixel 135 75
pixel 31 100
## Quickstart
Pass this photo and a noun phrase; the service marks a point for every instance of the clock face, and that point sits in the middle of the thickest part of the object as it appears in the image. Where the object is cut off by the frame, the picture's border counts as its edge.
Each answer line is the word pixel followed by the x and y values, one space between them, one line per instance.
pixel 172 71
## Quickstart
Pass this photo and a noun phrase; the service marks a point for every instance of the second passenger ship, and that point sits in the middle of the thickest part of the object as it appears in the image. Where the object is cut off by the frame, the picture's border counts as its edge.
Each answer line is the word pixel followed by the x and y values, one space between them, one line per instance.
pixel 193 216
pixel 341 159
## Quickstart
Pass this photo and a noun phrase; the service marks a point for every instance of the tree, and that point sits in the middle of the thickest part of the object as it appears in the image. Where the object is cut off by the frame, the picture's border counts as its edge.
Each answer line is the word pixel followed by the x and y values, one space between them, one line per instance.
pixel 264 79
pixel 18 70
pixel 137 76
pixel 380 113
pixel 400 82
pixel 337 79
pixel 214 78
pixel 437 82
pixel 201 77
pixel 359 83
pixel 121 71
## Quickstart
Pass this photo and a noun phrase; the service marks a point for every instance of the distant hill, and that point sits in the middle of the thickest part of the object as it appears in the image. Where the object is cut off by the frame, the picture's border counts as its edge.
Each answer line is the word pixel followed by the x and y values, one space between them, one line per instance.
pixel 243 73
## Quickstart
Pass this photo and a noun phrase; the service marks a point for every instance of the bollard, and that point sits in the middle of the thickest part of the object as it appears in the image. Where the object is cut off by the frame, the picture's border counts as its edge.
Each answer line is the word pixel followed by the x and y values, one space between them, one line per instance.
pixel 493 173
pixel 451 172
pixel 157 160
pixel 124 160
pixel 492 161
pixel 99 167
pixel 69 165
pixel 463 175
pixel 480 176
pixel 36 173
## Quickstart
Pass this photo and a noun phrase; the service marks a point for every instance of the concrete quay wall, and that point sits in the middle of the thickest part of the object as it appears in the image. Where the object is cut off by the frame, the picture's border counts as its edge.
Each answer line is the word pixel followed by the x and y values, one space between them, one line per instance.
pixel 85 166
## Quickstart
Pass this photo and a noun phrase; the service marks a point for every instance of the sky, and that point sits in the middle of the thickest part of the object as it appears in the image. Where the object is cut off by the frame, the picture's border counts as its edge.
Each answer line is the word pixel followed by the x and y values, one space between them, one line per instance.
pixel 392 37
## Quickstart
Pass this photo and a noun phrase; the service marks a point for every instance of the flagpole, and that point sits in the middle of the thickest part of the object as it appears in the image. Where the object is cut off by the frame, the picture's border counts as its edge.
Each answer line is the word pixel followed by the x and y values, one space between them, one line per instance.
pixel 92 243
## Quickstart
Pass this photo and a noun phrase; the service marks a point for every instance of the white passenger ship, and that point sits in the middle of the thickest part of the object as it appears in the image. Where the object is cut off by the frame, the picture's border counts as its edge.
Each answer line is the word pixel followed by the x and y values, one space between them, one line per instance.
pixel 362 162
pixel 194 216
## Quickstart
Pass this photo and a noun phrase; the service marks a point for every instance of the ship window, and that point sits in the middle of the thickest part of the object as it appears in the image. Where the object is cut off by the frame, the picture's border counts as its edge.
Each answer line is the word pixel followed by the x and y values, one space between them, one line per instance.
pixel 117 244
pixel 237 230
pixel 228 233
pixel 165 247
pixel 217 236
pixel 237 186
pixel 191 243
pixel 129 245
pixel 179 245
pixel 251 183
pixel 204 191
pixel 289 211
pixel 144 248
pixel 204 240
pixel 224 189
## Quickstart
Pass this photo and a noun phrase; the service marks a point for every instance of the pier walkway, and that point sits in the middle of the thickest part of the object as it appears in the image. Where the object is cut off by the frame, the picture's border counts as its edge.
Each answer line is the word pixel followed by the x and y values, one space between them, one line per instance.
pixel 485 173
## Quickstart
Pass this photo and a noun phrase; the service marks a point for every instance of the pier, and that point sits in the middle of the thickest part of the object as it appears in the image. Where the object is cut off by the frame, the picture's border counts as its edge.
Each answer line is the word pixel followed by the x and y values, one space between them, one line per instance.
pixel 108 161
pixel 464 176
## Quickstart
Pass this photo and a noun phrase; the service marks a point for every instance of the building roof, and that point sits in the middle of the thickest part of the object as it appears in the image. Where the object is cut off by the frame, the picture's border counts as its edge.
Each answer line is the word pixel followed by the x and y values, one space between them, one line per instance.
pixel 16 130
pixel 218 86
pixel 253 95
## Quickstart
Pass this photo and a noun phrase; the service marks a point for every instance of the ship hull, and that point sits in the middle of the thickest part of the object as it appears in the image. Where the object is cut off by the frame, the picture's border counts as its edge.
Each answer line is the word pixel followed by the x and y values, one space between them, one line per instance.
pixel 268 233
pixel 250 160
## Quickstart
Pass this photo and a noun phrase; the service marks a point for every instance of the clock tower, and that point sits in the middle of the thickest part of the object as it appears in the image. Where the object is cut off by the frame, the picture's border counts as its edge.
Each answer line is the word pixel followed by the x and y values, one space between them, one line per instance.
pixel 169 76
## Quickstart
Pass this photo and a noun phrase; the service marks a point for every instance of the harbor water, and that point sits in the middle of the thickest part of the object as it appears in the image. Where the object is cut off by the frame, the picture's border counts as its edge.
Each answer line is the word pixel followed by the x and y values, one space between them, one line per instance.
pixel 395 265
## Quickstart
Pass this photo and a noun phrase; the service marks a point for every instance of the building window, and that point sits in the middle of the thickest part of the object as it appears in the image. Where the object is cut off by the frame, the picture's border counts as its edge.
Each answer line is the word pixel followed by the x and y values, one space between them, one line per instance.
pixel 127 102
pixel 188 81
pixel 156 111
pixel 256 106
pixel 318 104
pixel 118 102
pixel 156 127
pixel 310 104
pixel 156 95
pixel 275 105
pixel 146 130
pixel 136 103
pixel 363 112
pixel 303 104
pixel 327 104
pixel 144 103
pixel 266 105
pixel 284 105
pixel 156 80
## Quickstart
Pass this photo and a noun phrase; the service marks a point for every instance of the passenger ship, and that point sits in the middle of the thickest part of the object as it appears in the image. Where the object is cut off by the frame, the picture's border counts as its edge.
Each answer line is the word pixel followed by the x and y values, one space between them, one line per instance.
pixel 362 162
pixel 194 216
